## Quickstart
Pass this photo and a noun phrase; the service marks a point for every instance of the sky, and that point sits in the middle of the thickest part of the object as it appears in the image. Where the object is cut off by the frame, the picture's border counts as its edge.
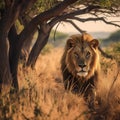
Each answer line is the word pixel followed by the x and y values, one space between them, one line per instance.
pixel 90 27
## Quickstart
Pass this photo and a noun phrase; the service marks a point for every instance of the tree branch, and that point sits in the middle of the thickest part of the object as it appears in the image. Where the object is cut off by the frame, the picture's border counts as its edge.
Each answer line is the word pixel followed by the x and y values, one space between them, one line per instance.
pixel 95 19
pixel 53 12
pixel 105 54
pixel 45 16
pixel 71 22
pixel 13 10
pixel 72 14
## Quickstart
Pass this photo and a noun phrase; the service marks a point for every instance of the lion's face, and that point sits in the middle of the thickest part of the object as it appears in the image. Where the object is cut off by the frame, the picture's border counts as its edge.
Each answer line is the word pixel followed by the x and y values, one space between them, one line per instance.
pixel 81 56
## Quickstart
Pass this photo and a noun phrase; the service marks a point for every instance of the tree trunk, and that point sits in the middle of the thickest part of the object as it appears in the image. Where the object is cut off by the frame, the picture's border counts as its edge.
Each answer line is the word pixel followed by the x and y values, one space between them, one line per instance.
pixel 14 52
pixel 7 20
pixel 5 75
pixel 11 15
pixel 14 65
pixel 39 19
pixel 13 38
pixel 15 45
pixel 38 46
pixel 25 50
pixel 26 47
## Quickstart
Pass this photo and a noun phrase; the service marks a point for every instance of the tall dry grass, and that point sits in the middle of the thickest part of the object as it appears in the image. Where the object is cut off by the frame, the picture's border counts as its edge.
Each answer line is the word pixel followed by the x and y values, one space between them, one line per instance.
pixel 45 97
pixel 42 95
pixel 108 92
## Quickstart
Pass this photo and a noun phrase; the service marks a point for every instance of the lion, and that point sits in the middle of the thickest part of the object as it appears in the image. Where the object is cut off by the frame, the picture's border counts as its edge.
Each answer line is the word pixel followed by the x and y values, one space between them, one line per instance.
pixel 80 64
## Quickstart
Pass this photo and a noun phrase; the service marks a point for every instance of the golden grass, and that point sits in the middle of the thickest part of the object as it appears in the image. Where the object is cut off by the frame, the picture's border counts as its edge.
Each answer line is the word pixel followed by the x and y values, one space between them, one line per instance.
pixel 42 95
pixel 46 94
pixel 108 92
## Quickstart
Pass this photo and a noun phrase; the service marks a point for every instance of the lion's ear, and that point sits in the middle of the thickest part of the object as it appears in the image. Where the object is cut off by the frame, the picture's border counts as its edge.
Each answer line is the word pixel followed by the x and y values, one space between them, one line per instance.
pixel 70 43
pixel 94 43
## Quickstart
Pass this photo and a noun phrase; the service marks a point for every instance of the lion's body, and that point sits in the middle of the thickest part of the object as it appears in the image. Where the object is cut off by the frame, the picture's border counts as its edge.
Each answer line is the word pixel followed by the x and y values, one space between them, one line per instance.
pixel 80 63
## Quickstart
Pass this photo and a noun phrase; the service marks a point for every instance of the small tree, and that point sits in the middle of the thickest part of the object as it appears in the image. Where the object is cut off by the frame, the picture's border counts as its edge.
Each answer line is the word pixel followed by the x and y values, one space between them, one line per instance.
pixel 35 15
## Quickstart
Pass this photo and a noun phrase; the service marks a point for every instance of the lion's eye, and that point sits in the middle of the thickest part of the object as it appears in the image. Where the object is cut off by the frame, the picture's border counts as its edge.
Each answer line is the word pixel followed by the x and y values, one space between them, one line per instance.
pixel 88 55
pixel 76 55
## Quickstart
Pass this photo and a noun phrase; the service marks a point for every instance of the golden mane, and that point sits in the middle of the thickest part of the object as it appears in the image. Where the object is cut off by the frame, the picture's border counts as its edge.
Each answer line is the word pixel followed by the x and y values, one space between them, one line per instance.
pixel 80 62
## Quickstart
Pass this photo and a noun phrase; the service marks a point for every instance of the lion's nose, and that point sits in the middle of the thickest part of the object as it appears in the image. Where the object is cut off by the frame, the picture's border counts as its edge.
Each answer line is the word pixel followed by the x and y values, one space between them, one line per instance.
pixel 82 65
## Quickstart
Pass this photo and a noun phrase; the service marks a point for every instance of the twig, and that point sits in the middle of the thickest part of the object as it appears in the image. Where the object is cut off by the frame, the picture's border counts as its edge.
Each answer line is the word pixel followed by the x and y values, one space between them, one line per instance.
pixel 80 30
pixel 115 79
pixel 105 54
pixel 25 117
pixel 56 29
pixel 95 19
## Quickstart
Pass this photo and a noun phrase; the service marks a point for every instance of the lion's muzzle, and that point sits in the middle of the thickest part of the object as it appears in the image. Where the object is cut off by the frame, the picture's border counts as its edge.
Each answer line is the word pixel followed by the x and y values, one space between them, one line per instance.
pixel 83 71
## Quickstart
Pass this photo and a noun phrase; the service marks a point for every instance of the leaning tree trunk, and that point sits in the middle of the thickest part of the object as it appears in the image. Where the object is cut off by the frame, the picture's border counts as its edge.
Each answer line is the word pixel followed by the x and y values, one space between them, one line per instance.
pixel 26 47
pixel 29 29
pixel 7 20
pixel 15 46
pixel 39 19
pixel 38 46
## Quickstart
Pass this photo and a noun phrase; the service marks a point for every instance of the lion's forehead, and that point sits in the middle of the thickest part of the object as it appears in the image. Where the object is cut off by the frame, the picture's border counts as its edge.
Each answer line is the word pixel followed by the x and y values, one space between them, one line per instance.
pixel 83 47
pixel 81 43
pixel 83 37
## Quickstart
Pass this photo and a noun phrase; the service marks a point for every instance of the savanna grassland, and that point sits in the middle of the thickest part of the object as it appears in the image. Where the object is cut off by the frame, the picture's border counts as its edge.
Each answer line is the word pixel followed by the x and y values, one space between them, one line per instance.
pixel 42 95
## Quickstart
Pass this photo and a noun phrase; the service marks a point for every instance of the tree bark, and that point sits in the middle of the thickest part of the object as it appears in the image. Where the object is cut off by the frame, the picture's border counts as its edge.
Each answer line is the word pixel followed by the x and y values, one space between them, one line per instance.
pixel 11 13
pixel 8 18
pixel 13 37
pixel 26 47
pixel 39 45
pixel 18 8
pixel 45 16
pixel 5 74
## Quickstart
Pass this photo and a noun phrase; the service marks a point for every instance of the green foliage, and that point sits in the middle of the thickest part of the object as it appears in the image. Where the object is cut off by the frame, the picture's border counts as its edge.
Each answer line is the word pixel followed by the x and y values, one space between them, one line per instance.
pixel 102 3
pixel 2 4
pixel 116 51
pixel 19 27
pixel 116 48
pixel 47 48
pixel 112 47
pixel 113 38
pixel 106 65
pixel 57 35
pixel 105 3
pixel 43 5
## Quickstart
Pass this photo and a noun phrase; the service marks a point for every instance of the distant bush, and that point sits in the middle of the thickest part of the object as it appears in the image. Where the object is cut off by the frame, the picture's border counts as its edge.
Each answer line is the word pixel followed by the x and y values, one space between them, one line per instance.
pixel 113 38
pixel 47 48
pixel 58 35
pixel 114 50
pixel 116 47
